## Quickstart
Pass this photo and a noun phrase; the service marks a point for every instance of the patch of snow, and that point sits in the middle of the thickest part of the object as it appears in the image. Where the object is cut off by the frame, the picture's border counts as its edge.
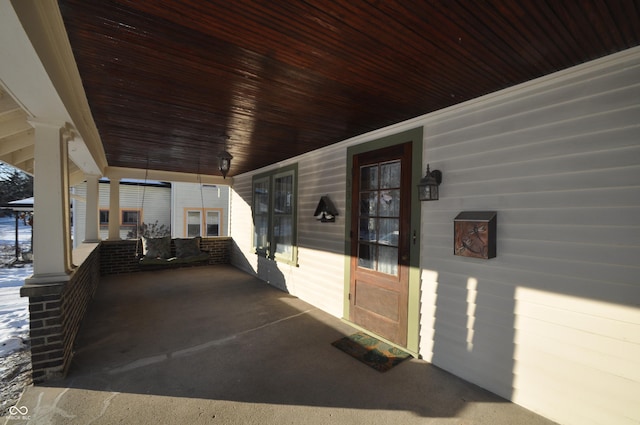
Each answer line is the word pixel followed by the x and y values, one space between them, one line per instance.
pixel 15 358
pixel 8 231
pixel 14 310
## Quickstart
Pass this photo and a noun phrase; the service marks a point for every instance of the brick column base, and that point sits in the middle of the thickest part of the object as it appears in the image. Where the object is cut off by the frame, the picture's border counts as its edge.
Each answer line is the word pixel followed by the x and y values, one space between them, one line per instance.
pixel 45 334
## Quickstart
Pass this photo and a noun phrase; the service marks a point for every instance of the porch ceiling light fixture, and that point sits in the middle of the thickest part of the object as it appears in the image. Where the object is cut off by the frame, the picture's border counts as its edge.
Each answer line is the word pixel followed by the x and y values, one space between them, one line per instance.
pixel 326 212
pixel 224 161
pixel 428 188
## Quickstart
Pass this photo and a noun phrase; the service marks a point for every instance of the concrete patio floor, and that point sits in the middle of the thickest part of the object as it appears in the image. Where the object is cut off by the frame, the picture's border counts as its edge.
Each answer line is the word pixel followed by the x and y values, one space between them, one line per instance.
pixel 213 345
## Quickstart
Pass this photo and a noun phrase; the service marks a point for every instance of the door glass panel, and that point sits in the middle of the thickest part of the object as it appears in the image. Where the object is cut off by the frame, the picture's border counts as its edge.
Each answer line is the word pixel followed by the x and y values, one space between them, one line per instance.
pixel 389 231
pixel 368 229
pixel 390 203
pixel 368 203
pixel 390 175
pixel 379 223
pixel 366 256
pixel 388 260
pixel 369 177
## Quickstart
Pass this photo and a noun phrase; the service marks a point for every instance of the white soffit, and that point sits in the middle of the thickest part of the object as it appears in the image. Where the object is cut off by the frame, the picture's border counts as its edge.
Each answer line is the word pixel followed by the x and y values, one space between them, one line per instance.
pixel 24 78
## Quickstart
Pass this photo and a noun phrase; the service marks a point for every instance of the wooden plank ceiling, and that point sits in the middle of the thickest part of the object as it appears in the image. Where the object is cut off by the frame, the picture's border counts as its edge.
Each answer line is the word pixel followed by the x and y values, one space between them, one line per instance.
pixel 170 81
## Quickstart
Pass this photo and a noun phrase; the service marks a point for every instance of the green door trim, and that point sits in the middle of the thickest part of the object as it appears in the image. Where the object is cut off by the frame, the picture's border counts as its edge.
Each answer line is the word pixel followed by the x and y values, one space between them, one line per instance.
pixel 415 136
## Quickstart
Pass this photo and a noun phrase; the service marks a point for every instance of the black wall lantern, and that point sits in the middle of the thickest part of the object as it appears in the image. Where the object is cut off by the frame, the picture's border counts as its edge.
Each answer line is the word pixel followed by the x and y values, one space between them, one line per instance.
pixel 428 188
pixel 326 212
pixel 224 163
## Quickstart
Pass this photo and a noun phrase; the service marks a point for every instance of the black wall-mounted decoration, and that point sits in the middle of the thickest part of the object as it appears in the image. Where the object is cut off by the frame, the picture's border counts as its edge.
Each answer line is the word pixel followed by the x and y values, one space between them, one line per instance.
pixel 326 212
pixel 475 234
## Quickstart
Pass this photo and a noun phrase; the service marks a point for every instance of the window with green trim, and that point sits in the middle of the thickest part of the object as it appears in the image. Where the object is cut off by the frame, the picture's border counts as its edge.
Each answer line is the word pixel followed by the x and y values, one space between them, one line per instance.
pixel 275 214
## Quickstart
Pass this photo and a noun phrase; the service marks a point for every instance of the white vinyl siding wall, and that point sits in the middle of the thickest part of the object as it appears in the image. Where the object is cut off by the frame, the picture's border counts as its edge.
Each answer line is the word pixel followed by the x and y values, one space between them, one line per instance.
pixel 155 202
pixel 190 196
pixel 319 276
pixel 553 322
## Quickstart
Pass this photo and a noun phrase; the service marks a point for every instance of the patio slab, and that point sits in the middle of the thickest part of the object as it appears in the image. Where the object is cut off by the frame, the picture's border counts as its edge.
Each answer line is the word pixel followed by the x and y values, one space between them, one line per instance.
pixel 214 345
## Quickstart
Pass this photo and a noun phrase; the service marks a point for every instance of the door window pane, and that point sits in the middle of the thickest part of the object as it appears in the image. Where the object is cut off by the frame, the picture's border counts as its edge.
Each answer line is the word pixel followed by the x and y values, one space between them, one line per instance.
pixel 366 256
pixel 389 231
pixel 379 222
pixel 368 229
pixel 390 203
pixel 390 175
pixel 368 203
pixel 388 260
pixel 369 177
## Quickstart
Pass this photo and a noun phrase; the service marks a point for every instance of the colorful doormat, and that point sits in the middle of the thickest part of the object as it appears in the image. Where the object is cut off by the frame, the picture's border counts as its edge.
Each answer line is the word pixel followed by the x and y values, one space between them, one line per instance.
pixel 371 351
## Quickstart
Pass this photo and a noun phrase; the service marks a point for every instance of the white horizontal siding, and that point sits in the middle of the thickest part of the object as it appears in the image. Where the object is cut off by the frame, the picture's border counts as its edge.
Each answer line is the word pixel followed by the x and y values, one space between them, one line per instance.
pixel 155 203
pixel 196 197
pixel 553 322
pixel 319 275
pixel 241 225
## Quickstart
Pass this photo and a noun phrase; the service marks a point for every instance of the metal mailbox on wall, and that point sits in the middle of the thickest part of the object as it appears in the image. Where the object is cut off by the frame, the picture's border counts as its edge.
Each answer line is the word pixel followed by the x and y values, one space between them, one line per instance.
pixel 475 234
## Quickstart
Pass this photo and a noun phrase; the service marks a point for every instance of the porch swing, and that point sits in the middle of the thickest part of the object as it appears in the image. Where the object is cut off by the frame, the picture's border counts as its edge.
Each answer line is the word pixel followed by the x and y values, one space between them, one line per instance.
pixel 165 251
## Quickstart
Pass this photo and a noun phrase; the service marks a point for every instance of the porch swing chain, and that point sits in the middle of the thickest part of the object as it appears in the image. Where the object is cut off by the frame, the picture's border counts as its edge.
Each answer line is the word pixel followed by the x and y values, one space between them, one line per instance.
pixel 138 222
pixel 144 189
pixel 201 197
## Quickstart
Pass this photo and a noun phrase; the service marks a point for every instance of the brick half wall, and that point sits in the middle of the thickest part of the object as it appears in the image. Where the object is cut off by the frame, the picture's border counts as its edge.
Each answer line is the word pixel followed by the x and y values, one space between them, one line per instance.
pixel 56 311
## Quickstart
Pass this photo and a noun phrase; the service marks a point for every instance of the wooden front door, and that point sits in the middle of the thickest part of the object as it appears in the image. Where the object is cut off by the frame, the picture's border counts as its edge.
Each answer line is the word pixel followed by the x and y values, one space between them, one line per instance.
pixel 380 241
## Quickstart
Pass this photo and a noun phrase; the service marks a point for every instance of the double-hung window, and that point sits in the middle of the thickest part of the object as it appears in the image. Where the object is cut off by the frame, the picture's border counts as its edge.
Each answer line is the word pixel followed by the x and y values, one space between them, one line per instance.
pixel 193 224
pixel 275 214
pixel 198 225
pixel 130 217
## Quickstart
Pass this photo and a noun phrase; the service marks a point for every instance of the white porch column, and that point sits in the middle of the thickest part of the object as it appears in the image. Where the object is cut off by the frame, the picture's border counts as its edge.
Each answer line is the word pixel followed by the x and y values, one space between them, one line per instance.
pixel 114 209
pixel 92 221
pixel 51 223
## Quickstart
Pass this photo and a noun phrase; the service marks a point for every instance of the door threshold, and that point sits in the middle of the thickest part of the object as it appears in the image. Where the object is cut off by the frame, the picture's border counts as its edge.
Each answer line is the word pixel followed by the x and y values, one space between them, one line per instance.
pixel 381 338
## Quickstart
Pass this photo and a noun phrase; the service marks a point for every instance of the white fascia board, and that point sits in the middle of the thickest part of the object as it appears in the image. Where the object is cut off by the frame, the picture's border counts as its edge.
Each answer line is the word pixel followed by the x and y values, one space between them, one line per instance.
pixel 120 173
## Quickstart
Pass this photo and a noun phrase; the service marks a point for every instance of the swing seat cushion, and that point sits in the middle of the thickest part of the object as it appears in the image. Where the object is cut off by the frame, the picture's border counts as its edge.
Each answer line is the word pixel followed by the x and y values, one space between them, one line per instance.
pixel 157 251
pixel 157 247
pixel 186 248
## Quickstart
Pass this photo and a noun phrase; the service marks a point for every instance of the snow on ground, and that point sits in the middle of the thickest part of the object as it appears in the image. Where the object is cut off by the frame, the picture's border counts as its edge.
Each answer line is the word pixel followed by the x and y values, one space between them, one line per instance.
pixel 15 362
pixel 8 232
pixel 14 310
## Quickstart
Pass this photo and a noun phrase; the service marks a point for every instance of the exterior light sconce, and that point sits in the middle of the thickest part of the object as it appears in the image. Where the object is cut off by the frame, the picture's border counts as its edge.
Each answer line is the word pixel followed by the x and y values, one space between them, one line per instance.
pixel 326 212
pixel 224 163
pixel 224 160
pixel 429 184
